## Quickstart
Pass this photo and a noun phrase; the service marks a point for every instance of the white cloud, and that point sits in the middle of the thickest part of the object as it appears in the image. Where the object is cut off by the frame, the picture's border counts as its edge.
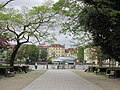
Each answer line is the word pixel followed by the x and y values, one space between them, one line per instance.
pixel 64 39
pixel 27 3
pixel 55 0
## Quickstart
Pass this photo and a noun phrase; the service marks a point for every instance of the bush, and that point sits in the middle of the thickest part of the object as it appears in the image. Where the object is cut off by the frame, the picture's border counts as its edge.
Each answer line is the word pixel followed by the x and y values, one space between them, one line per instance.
pixel 102 69
pixel 49 61
pixel 18 68
pixel 91 69
pixel 2 69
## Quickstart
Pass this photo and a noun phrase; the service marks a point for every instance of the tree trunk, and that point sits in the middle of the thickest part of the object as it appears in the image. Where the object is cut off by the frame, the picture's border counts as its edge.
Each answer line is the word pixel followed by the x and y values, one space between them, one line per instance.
pixel 13 55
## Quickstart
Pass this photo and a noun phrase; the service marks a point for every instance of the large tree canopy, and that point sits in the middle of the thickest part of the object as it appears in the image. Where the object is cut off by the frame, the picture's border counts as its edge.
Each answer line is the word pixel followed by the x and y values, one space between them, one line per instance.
pixel 27 24
pixel 4 36
pixel 99 18
pixel 104 24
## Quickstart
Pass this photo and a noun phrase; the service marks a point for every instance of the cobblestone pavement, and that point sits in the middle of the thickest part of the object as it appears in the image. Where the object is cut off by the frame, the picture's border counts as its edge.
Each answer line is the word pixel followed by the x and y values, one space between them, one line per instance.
pixel 61 80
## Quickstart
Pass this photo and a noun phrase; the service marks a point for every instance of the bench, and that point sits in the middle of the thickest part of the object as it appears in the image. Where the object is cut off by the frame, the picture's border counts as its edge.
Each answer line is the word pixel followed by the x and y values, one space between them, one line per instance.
pixel 97 71
pixel 73 67
pixel 8 73
pixel 111 74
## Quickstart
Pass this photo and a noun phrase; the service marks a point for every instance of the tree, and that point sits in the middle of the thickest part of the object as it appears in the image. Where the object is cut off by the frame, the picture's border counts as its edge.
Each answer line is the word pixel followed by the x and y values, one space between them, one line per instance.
pixel 80 53
pixel 100 55
pixel 103 23
pixel 28 52
pixel 100 18
pixel 43 55
pixel 32 53
pixel 22 52
pixel 3 41
pixel 34 23
pixel 5 37
pixel 71 26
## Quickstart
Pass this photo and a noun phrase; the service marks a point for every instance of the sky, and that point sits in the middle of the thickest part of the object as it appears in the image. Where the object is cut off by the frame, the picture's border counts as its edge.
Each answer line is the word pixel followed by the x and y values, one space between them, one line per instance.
pixel 61 39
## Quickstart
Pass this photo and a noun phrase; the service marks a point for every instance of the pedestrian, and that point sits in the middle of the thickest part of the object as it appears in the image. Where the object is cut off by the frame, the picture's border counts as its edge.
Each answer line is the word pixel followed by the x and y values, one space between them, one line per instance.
pixel 35 65
pixel 20 68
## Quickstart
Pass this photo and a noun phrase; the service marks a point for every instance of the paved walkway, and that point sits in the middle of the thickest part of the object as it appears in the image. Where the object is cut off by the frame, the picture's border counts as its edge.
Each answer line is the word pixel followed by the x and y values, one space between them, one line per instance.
pixel 61 80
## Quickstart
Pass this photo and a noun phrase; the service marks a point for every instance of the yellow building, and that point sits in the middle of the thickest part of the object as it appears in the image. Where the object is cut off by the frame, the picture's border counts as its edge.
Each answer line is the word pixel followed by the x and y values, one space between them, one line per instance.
pixel 56 50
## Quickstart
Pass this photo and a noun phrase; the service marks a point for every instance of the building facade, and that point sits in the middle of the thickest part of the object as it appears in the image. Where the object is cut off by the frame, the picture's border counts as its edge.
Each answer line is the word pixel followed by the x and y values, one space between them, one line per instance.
pixel 56 50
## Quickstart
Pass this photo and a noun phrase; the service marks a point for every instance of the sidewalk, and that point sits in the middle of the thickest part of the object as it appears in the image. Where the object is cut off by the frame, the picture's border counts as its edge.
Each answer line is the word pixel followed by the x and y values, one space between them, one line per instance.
pixel 101 81
pixel 61 80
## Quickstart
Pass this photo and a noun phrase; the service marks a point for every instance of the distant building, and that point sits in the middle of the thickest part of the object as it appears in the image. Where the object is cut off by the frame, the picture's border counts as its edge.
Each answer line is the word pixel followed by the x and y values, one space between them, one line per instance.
pixel 45 47
pixel 56 50
pixel 71 52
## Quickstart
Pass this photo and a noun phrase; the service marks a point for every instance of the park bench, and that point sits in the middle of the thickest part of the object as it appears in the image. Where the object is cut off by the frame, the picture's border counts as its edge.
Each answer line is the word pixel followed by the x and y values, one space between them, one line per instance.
pixel 73 67
pixel 8 73
pixel 97 70
pixel 111 74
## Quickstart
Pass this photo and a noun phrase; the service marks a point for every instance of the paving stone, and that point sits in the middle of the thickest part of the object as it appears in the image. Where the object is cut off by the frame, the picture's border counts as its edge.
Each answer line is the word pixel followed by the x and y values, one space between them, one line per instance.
pixel 61 80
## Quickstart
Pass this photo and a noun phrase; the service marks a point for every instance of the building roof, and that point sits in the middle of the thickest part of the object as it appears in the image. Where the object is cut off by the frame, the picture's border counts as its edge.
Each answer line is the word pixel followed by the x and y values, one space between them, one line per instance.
pixel 65 59
pixel 57 45
pixel 70 49
pixel 43 46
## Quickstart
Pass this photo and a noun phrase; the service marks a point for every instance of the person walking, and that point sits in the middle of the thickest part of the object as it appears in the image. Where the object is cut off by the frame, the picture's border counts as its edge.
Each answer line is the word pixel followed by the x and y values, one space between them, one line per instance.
pixel 35 65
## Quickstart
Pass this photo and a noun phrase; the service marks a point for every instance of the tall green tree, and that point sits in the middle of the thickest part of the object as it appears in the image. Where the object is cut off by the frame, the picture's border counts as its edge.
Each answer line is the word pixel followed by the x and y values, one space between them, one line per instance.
pixel 99 18
pixel 32 53
pixel 80 53
pixel 103 22
pixel 43 54
pixel 36 23
pixel 28 52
